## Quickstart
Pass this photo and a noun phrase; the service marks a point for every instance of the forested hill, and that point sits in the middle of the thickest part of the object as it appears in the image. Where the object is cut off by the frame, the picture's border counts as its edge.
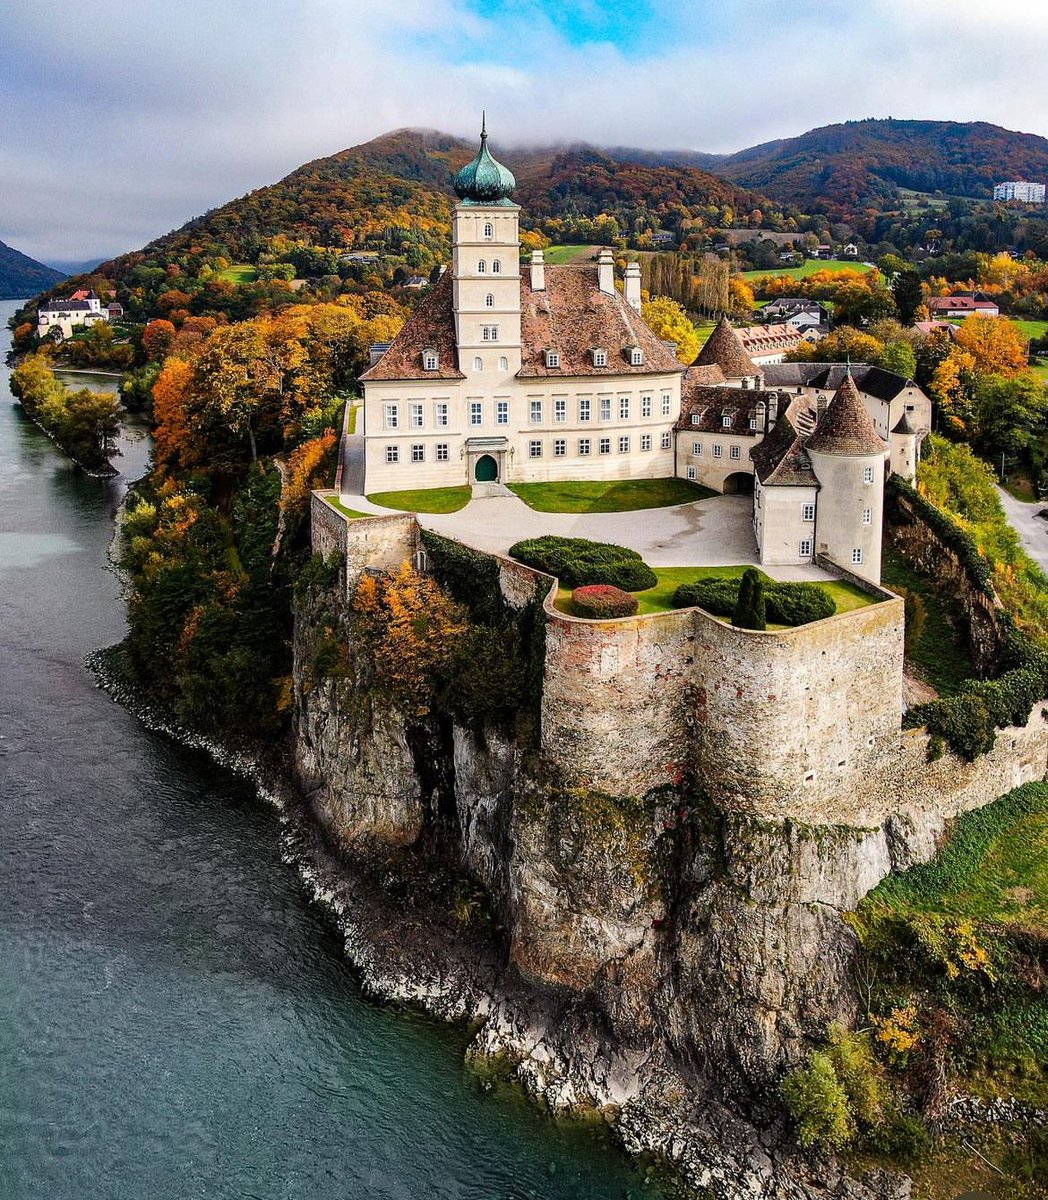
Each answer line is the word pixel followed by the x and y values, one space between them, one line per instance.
pixel 388 202
pixel 22 276
pixel 860 164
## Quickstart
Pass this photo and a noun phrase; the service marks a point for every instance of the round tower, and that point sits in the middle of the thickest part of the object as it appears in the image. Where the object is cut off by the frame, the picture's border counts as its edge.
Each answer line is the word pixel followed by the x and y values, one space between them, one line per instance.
pixel 847 457
pixel 903 442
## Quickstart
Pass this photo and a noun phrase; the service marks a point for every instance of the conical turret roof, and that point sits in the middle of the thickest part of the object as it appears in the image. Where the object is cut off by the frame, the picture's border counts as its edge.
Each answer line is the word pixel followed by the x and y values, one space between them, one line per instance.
pixel 724 350
pixel 903 425
pixel 846 428
pixel 483 180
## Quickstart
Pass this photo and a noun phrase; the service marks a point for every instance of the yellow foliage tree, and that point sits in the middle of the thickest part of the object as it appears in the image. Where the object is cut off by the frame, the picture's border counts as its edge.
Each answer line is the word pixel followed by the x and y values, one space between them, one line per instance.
pixel 668 320
pixel 996 344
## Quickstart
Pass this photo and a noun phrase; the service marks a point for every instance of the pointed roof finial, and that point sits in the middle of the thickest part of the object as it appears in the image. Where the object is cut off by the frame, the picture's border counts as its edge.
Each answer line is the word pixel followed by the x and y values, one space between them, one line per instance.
pixel 847 365
pixel 483 125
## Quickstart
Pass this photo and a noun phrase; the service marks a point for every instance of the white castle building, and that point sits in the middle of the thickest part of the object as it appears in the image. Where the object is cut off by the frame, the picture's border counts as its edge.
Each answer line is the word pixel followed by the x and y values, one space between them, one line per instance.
pixel 527 374
pixel 61 317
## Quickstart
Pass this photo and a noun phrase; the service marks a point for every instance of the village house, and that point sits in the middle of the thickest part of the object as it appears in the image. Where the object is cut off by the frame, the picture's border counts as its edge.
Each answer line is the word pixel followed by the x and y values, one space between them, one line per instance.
pixel 795 310
pixel 944 307
pixel 766 344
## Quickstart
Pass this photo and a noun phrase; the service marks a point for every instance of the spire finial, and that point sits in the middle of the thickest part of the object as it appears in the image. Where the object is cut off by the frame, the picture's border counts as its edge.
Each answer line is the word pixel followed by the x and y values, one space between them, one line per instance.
pixel 483 125
pixel 847 366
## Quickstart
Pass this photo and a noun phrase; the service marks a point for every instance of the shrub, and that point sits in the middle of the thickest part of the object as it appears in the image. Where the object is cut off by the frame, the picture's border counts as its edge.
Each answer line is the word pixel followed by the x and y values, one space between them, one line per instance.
pixel 601 602
pixel 819 1104
pixel 785 603
pixel 577 562
pixel 750 610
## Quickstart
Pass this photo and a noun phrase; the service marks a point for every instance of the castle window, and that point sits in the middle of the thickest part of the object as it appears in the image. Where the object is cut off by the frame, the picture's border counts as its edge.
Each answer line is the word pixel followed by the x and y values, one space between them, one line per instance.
pixel 552 358
pixel 666 440
pixel 536 412
pixel 584 446
pixel 624 408
pixel 807 512
pixel 478 363
pixel 503 364
pixel 482 267
pixel 430 360
pixel 753 422
pixel 645 406
pixel 867 516
pixel 391 416
pixel 443 453
pixel 726 422
pixel 496 267
pixel 418 452
pixel 691 474
pixel 636 356
pixel 392 454
pixel 476 412
pixel 489 333
pixel 805 548
pixel 718 451
pixel 696 418
pixel 489 230
pixel 605 408
pixel 440 414
pixel 534 449
pixel 604 446
pixel 417 416
pixel 501 412
pixel 665 404
pixel 624 445
pixel 489 301
pixel 560 409
pixel 857 555
pixel 696 448
pixel 585 405
pixel 867 474
pixel 560 447
pixel 645 441
pixel 735 452
pixel 600 358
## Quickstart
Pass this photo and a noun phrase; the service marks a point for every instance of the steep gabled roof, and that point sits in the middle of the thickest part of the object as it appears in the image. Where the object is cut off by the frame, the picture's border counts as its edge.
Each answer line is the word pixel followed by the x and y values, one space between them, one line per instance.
pixel 846 428
pixel 713 404
pixel 779 460
pixel 724 349
pixel 431 327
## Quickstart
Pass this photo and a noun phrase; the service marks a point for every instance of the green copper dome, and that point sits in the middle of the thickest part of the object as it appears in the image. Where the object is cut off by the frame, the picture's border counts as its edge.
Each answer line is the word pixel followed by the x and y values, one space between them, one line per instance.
pixel 483 180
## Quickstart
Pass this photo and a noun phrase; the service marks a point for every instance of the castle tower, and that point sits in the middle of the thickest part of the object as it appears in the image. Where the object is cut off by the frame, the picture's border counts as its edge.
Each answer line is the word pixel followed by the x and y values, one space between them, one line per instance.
pixel 485 267
pixel 847 457
pixel 724 349
pixel 903 442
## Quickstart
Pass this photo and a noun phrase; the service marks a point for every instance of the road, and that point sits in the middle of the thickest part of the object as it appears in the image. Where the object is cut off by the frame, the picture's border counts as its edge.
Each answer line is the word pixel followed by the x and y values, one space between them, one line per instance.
pixel 1032 529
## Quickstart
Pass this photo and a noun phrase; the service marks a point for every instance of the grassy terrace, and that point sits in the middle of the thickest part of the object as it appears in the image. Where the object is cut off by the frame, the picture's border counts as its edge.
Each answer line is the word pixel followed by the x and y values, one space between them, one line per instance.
pixel 340 507
pixel 660 597
pixel 602 496
pixel 558 255
pixel 426 500
pixel 808 268
pixel 239 273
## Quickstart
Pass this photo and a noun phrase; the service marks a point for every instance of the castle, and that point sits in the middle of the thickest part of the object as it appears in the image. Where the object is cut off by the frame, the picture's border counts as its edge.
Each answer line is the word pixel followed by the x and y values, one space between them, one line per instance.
pixel 549 373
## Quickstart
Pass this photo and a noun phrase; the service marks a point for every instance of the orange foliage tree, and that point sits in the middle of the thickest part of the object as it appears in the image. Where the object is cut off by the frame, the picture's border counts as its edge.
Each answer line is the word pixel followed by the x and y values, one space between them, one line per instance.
pixel 996 344
pixel 306 468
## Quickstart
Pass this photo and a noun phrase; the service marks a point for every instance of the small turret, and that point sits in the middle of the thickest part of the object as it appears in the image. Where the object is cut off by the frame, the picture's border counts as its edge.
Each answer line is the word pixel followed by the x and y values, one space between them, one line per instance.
pixel 903 444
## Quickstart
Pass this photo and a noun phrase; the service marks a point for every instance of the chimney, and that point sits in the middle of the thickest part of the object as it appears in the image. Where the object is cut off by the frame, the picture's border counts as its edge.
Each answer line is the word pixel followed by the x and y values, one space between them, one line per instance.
pixel 633 286
pixel 606 272
pixel 821 402
pixel 773 411
pixel 538 271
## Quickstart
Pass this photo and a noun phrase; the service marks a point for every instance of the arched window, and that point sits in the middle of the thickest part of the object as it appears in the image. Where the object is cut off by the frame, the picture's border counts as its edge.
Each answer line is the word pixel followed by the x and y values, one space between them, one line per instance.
pixel 489 301
pixel 482 266
pixel 489 230
pixel 496 267
pixel 478 364
pixel 503 364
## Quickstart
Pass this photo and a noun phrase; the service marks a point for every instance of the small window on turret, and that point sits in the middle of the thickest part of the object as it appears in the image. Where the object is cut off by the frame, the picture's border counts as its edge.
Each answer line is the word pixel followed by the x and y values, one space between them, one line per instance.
pixel 489 230
pixel 482 267
pixel 496 267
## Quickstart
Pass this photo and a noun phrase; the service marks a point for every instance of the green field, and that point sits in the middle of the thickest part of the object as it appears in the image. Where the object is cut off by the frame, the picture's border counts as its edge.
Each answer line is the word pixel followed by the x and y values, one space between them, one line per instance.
pixel 567 254
pixel 427 500
pixel 239 273
pixel 807 269
pixel 340 507
pixel 1031 329
pixel 660 597
pixel 614 495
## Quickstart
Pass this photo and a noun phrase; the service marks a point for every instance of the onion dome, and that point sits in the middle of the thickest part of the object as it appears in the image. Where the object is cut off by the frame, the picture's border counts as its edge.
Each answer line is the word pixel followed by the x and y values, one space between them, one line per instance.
pixel 846 428
pixel 724 349
pixel 484 180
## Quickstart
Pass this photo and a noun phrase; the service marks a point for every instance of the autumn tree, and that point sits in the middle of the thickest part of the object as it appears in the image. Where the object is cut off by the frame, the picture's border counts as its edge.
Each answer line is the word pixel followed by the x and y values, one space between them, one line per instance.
pixel 157 338
pixel 996 344
pixel 668 320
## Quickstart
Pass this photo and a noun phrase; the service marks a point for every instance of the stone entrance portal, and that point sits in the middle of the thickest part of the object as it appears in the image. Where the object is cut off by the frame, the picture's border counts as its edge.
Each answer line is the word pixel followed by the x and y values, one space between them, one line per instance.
pixel 487 469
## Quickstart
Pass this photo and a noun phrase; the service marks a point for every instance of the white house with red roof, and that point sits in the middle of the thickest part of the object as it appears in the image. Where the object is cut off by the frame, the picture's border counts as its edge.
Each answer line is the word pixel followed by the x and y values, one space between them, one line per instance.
pixel 58 318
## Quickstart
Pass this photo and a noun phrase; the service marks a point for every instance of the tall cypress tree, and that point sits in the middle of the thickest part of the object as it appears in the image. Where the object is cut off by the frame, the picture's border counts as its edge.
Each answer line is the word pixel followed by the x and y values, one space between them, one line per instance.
pixel 749 608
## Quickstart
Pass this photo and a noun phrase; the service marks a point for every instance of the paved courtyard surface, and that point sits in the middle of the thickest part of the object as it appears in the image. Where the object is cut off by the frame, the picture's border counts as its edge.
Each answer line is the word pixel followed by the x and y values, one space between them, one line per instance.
pixel 1032 529
pixel 716 532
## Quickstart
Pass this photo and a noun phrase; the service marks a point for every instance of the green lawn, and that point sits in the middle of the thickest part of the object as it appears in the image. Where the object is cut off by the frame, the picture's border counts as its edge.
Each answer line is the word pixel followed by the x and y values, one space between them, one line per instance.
pixel 1042 371
pixel 352 424
pixel 346 512
pixel 567 254
pixel 1031 329
pixel 427 500
pixel 613 495
pixel 808 268
pixel 660 597
pixel 239 273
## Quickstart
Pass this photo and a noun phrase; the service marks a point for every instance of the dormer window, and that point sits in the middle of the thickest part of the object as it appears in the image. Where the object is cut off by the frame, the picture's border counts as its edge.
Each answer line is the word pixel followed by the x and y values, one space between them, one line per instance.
pixel 489 230
pixel 552 358
pixel 430 360
pixel 695 418
pixel 600 358
pixel 726 421
pixel 636 356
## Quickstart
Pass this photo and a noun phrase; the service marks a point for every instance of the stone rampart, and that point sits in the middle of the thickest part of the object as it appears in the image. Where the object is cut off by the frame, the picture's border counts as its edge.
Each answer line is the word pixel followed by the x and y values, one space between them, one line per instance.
pixel 381 543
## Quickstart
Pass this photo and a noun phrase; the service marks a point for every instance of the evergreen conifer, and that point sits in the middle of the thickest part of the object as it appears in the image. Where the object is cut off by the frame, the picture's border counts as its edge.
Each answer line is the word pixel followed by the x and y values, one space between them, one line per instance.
pixel 749 608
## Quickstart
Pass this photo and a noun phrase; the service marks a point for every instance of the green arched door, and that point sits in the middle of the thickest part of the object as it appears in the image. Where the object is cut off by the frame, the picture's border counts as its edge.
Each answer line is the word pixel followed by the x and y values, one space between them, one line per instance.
pixel 487 469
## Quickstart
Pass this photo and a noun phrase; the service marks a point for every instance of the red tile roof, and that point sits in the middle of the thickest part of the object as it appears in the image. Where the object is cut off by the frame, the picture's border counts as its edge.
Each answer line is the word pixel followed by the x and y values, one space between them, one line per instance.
pixel 846 428
pixel 724 349
pixel 431 327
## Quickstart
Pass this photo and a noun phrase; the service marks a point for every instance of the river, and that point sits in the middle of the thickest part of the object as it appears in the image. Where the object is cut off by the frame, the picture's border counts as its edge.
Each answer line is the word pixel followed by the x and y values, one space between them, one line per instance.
pixel 176 1021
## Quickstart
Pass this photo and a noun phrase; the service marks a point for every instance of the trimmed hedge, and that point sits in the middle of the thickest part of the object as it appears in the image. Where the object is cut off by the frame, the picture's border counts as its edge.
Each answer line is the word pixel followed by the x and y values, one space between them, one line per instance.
pixel 784 603
pixel 948 532
pixel 600 601
pixel 577 562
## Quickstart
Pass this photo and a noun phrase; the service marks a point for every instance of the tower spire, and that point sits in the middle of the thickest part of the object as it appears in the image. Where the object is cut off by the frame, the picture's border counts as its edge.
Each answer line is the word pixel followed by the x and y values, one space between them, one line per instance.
pixel 483 125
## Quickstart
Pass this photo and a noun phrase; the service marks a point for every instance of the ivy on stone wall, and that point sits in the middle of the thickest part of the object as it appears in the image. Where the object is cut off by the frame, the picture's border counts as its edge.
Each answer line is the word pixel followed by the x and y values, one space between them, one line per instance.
pixel 949 533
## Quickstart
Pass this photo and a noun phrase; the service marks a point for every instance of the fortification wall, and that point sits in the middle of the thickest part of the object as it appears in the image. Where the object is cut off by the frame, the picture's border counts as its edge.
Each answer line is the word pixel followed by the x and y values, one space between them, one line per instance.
pixel 376 543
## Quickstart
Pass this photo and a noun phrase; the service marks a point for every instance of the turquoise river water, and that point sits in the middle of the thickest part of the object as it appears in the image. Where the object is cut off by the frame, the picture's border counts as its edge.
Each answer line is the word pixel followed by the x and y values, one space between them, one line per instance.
pixel 176 1022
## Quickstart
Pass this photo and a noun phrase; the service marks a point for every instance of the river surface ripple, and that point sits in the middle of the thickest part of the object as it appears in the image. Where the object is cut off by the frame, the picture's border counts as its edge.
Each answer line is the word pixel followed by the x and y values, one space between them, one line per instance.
pixel 175 1020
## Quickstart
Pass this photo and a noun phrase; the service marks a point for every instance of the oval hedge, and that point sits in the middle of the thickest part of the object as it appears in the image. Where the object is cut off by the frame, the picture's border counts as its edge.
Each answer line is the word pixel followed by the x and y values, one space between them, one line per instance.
pixel 785 603
pixel 577 562
pixel 601 601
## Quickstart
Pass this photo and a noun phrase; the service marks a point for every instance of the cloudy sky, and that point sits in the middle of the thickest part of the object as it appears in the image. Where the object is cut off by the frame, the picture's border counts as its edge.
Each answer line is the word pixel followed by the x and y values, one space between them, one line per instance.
pixel 123 119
